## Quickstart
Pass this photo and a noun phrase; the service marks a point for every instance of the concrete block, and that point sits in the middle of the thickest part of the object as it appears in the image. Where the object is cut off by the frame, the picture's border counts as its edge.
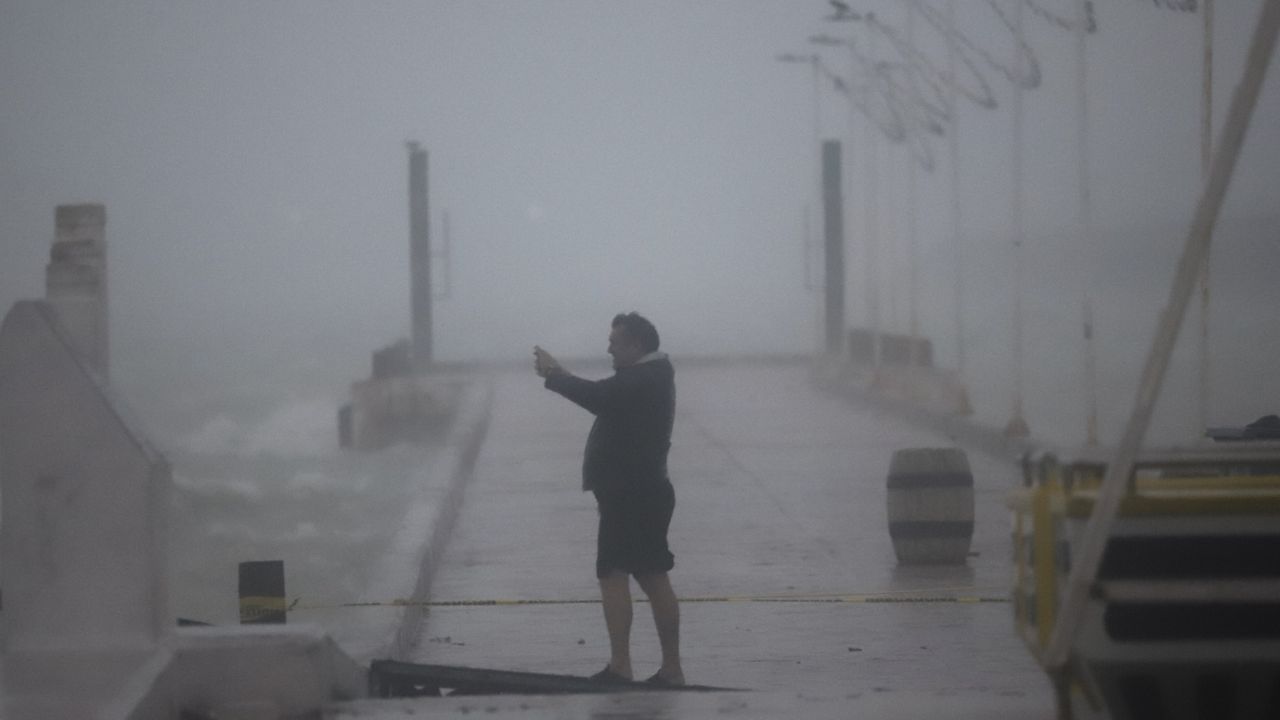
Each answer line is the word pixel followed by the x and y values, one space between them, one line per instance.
pixel 259 671
pixel 76 280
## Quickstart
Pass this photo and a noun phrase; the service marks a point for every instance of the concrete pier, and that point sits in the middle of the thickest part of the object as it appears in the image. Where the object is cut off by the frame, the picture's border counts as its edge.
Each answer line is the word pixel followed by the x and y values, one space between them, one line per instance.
pixel 783 559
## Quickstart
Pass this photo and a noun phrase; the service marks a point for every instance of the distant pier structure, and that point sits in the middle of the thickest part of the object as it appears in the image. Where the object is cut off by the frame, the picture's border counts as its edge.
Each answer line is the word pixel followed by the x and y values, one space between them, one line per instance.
pixel 403 400
pixel 419 257
pixel 76 281
pixel 833 259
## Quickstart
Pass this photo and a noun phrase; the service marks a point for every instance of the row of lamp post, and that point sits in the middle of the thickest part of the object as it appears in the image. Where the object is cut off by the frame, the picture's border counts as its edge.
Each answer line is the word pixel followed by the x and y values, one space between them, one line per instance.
pixel 888 97
pixel 903 112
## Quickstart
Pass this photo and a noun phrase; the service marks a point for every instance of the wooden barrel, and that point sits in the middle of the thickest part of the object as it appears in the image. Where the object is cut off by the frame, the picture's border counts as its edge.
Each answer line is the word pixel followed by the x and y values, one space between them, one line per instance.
pixel 930 505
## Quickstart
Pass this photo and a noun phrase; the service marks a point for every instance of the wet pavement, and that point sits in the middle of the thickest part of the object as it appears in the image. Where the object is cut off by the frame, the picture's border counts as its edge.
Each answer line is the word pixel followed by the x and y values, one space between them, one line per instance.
pixel 780 509
pixel 678 706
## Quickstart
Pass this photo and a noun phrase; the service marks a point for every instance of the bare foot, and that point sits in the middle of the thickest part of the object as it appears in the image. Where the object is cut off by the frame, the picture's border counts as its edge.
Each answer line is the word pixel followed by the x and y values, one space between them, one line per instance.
pixel 665 679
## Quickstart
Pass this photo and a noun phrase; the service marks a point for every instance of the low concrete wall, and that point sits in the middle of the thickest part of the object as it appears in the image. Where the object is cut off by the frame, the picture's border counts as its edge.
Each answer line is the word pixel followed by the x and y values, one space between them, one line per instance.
pixel 928 398
pixel 406 570
pixel 290 671
pixel 87 629
pixel 250 672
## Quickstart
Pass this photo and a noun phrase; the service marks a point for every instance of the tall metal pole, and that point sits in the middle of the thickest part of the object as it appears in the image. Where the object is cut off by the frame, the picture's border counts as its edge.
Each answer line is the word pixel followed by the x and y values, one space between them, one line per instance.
pixel 816 144
pixel 1206 156
pixel 913 250
pixel 419 258
pixel 1085 222
pixel 806 237
pixel 953 146
pixel 1017 425
pixel 1088 555
pixel 833 231
pixel 446 254
pixel 872 218
pixel 857 314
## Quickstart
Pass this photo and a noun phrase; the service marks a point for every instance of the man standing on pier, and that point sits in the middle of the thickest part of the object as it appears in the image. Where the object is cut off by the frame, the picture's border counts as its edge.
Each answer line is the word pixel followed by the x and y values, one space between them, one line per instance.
pixel 625 467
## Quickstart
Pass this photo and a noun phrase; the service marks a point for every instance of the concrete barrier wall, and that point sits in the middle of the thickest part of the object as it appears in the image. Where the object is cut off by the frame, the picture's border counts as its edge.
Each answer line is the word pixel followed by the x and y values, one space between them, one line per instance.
pixel 407 568
pixel 85 497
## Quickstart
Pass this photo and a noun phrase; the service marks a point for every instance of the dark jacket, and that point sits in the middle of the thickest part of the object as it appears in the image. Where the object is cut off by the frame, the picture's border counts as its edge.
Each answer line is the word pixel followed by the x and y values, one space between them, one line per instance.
pixel 635 410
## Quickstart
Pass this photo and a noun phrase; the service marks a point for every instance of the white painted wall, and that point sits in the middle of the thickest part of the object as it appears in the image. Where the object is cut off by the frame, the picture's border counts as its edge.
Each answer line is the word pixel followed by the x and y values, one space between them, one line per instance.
pixel 87 630
pixel 85 498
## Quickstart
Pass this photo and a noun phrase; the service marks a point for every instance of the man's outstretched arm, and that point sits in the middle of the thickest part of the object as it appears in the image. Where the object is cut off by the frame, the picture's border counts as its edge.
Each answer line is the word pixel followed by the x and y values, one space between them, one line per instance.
pixel 594 396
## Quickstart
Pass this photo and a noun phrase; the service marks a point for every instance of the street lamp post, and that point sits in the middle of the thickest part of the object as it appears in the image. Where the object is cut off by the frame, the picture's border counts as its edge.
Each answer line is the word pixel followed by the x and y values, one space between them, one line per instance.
pixel 1206 154
pixel 871 195
pixel 957 223
pixel 913 114
pixel 913 241
pixel 1017 425
pixel 812 212
pixel 1085 221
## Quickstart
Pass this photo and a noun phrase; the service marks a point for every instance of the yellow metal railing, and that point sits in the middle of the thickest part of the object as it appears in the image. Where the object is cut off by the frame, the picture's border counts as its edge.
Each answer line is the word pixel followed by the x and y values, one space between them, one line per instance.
pixel 1037 519
pixel 1219 484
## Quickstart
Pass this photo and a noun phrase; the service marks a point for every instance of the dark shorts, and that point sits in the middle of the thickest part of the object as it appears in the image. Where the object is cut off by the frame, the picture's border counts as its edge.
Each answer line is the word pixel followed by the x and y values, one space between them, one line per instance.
pixel 633 530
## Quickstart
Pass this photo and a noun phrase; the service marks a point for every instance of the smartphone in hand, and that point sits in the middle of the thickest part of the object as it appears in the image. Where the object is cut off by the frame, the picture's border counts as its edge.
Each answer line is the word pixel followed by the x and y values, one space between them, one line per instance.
pixel 542 361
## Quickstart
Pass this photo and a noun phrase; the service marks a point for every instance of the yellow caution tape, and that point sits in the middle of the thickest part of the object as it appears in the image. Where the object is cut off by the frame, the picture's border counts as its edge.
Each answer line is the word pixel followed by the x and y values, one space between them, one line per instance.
pixel 255 607
pixel 852 598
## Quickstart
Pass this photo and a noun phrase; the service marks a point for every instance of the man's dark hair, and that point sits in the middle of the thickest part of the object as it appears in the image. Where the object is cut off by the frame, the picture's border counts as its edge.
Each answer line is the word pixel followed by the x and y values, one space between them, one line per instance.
pixel 638 328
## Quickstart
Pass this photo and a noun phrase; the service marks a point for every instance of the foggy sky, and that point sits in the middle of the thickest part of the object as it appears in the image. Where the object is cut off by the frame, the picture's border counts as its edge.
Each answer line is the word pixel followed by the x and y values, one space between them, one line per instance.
pixel 594 157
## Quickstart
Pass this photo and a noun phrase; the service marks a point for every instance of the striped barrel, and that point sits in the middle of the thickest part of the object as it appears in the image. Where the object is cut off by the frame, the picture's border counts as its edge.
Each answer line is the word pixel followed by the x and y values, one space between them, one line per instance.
pixel 930 505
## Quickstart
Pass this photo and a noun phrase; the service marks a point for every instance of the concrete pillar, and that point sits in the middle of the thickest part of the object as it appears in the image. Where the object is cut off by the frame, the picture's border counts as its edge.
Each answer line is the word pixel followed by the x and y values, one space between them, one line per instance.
pixel 833 224
pixel 419 257
pixel 82 542
pixel 76 280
